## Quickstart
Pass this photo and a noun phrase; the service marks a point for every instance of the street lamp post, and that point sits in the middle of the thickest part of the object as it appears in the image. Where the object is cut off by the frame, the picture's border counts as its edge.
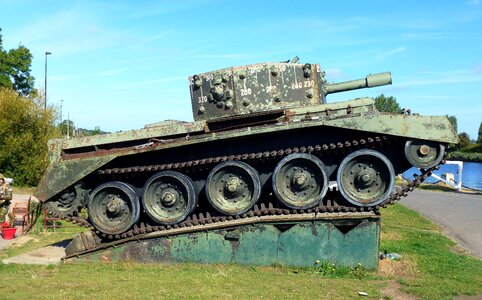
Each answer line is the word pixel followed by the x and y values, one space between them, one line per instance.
pixel 45 92
pixel 61 116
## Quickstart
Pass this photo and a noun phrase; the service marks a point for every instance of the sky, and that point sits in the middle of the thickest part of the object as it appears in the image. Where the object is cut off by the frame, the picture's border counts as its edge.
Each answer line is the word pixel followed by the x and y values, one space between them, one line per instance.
pixel 120 65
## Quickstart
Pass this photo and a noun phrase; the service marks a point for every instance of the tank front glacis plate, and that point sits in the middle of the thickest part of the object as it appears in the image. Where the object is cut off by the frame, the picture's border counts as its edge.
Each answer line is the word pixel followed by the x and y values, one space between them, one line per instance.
pixel 254 89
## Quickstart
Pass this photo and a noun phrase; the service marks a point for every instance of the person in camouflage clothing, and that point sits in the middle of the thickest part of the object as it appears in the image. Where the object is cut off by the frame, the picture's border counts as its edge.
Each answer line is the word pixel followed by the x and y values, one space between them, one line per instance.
pixel 5 191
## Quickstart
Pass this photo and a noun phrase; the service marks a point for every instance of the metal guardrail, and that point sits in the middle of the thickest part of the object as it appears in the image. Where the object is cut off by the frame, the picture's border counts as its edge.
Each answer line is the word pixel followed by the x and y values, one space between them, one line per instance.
pixel 31 216
pixel 457 184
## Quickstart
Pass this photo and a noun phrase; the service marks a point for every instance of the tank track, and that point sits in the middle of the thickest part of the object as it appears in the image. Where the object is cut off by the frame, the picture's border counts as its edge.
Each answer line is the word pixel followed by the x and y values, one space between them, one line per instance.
pixel 267 210
pixel 317 150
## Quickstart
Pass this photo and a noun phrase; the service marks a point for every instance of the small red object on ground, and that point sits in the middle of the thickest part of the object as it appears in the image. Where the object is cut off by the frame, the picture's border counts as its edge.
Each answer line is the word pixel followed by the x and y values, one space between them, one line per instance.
pixel 9 233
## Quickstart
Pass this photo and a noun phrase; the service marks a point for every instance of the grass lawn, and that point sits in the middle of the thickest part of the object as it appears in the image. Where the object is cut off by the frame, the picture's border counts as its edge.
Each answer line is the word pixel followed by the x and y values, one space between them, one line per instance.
pixel 23 190
pixel 431 267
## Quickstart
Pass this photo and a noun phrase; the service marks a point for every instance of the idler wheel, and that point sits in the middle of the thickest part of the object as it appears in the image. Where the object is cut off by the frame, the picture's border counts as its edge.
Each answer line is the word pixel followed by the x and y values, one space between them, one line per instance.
pixel 424 154
pixel 366 178
pixel 113 207
pixel 300 181
pixel 233 187
pixel 168 197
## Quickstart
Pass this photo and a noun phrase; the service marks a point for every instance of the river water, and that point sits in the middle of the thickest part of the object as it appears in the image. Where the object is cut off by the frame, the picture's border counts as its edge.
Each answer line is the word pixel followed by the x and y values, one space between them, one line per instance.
pixel 471 174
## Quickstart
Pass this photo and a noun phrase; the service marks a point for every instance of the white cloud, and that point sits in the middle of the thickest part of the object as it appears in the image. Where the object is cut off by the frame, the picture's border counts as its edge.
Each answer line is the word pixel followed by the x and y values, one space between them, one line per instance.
pixel 334 73
pixel 228 55
pixel 159 80
pixel 156 8
pixel 391 52
pixel 68 32
pixel 112 72
pixel 438 81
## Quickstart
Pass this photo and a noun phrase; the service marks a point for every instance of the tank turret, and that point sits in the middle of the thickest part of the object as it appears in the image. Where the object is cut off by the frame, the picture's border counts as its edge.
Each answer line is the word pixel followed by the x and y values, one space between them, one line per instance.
pixel 266 88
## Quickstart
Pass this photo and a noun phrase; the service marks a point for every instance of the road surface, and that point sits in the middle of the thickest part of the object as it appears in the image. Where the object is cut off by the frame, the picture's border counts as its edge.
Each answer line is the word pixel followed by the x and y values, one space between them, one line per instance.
pixel 459 215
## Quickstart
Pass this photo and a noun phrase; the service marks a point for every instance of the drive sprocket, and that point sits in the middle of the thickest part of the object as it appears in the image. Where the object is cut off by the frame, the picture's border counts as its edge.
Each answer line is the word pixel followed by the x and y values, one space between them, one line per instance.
pixel 67 204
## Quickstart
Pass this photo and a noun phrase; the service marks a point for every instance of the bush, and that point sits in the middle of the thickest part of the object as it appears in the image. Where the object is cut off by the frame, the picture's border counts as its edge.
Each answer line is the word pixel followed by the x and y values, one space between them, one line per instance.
pixel 465 156
pixel 25 128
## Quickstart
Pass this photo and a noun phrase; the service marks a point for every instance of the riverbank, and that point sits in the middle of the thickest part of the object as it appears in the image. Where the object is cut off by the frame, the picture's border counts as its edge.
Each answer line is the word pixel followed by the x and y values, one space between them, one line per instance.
pixel 465 156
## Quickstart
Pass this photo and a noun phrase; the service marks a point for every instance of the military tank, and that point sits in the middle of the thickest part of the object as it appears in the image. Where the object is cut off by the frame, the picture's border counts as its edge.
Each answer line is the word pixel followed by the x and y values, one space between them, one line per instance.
pixel 264 140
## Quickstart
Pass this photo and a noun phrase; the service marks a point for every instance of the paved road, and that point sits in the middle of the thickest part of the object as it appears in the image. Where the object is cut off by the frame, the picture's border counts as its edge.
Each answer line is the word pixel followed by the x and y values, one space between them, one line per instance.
pixel 460 215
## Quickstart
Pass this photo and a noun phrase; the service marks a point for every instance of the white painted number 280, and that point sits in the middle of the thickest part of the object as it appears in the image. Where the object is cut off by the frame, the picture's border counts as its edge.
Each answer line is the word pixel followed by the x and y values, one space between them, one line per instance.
pixel 245 92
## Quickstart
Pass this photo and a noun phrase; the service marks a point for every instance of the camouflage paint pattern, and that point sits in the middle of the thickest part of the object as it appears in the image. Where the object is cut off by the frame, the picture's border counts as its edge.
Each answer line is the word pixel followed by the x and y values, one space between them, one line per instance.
pixel 72 160
pixel 263 88
pixel 293 94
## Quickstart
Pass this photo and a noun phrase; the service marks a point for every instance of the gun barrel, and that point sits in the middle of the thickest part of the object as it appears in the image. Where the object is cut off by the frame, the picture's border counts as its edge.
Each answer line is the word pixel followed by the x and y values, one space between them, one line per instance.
pixel 371 80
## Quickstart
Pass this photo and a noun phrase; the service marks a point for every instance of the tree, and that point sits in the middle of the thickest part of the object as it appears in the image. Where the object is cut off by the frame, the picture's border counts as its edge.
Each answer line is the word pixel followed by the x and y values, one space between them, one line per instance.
pixel 464 141
pixel 96 131
pixel 89 132
pixel 479 139
pixel 67 128
pixel 453 121
pixel 387 104
pixel 25 128
pixel 15 69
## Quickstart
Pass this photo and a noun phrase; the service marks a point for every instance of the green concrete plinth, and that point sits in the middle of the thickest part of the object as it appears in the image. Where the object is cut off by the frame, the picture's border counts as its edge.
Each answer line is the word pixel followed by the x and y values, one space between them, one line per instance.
pixel 340 241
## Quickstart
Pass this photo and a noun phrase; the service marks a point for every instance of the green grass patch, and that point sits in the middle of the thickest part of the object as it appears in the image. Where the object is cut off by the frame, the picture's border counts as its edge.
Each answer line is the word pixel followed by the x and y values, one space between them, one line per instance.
pixel 428 269
pixel 111 281
pixel 439 272
pixel 24 190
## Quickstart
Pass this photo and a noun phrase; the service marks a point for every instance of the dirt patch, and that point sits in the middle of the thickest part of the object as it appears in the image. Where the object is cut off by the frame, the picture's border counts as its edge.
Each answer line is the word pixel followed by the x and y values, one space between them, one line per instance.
pixel 405 268
pixel 392 291
pixel 22 240
pixel 44 256
pixel 478 297
pixel 49 251
pixel 457 249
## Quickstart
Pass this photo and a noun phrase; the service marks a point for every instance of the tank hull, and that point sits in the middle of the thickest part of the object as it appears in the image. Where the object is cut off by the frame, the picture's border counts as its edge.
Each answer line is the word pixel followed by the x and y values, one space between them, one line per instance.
pixel 75 160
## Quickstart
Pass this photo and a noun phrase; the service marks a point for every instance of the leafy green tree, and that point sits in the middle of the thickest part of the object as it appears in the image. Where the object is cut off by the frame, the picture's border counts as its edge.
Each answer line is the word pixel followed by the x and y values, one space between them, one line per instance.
pixel 479 139
pixel 67 128
pixel 15 69
pixel 91 132
pixel 465 141
pixel 387 104
pixel 96 131
pixel 25 128
pixel 453 121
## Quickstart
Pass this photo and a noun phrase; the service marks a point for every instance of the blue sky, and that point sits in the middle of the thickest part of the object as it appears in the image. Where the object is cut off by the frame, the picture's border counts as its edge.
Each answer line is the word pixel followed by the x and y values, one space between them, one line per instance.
pixel 122 64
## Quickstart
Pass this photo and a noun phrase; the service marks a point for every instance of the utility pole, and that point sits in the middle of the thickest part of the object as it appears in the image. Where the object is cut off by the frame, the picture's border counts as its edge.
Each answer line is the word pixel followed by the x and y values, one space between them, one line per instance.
pixel 45 92
pixel 61 115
